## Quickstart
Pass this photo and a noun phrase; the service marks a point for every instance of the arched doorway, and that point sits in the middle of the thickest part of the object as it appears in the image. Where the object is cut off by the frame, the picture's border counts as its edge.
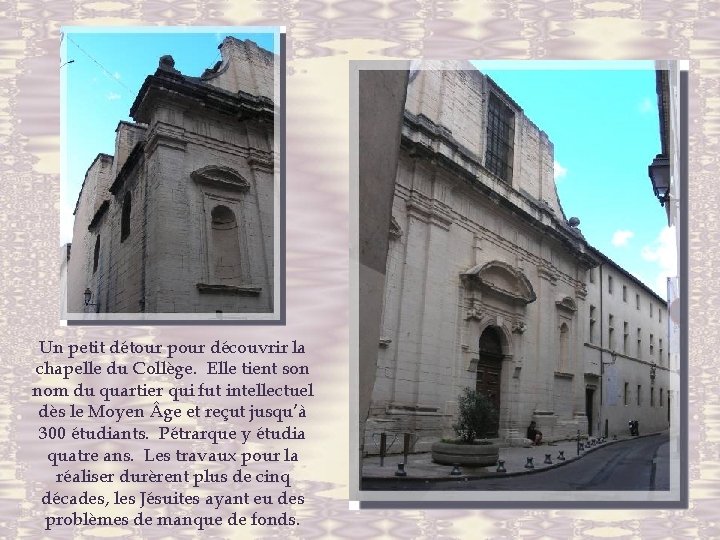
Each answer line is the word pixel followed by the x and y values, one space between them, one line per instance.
pixel 489 369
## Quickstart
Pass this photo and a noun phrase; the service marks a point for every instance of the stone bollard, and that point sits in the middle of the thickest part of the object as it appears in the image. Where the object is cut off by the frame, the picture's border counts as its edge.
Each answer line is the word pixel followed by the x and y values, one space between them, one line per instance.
pixel 547 461
pixel 406 447
pixel 456 470
pixel 383 448
pixel 529 464
pixel 561 457
pixel 501 466
pixel 401 470
pixel 579 443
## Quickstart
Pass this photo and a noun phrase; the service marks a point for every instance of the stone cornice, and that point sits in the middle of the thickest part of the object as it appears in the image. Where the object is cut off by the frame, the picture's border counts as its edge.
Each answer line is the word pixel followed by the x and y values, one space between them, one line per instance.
pixel 173 85
pixel 261 160
pixel 421 137
pixel 404 193
pixel 165 135
pixel 430 210
pixel 546 272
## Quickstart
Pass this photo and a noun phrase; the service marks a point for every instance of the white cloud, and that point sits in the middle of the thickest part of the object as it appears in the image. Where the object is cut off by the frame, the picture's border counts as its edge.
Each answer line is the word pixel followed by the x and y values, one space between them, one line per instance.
pixel 663 252
pixel 67 221
pixel 559 171
pixel 646 106
pixel 621 238
pixel 112 96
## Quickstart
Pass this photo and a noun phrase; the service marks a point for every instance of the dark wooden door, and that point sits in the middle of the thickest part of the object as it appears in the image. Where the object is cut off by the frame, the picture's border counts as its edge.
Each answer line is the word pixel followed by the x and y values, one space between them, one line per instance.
pixel 489 371
pixel 488 381
pixel 589 394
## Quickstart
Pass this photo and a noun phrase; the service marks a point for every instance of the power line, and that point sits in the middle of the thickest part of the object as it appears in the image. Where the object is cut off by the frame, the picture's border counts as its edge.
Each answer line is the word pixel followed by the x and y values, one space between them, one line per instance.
pixel 99 64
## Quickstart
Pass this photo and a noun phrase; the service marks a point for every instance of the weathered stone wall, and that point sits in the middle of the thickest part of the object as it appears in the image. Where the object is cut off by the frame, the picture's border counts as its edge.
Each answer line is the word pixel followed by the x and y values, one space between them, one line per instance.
pixel 122 291
pixel 127 135
pixel 456 100
pixel 453 220
pixel 167 258
pixel 94 191
pixel 245 67
pixel 178 221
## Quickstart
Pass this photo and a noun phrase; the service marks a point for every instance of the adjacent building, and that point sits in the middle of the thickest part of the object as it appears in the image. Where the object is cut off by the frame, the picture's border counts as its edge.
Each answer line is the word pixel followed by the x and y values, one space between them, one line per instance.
pixel 668 174
pixel 181 218
pixel 489 285
pixel 626 353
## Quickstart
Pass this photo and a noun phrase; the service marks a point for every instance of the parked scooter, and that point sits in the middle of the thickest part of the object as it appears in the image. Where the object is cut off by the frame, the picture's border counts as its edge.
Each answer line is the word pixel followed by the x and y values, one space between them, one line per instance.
pixel 634 426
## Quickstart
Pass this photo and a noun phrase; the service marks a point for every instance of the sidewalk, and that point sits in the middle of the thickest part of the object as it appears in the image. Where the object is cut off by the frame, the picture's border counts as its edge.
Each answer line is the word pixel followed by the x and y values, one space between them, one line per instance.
pixel 421 466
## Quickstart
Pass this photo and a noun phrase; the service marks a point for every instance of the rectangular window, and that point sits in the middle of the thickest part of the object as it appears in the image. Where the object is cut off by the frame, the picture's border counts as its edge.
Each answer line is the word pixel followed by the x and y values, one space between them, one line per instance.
pixel 637 301
pixel 652 397
pixel 639 343
pixel 626 333
pixel 500 138
pixel 610 285
pixel 660 351
pixel 651 309
pixel 610 331
pixel 626 394
pixel 639 393
pixel 96 255
pixel 652 344
pixel 661 397
pixel 624 293
pixel 592 275
pixel 659 315
pixel 592 324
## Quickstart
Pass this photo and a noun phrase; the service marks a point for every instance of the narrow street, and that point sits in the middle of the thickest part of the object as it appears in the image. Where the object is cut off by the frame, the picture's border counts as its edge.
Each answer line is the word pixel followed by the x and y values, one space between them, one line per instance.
pixel 635 465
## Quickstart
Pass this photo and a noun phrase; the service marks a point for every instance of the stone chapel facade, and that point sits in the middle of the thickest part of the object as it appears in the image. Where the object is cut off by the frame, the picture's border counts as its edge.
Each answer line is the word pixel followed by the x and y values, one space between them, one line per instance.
pixel 486 279
pixel 181 218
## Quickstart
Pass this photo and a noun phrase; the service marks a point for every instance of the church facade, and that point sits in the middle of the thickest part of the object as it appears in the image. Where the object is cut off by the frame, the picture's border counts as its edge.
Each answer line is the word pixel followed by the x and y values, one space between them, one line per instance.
pixel 488 282
pixel 181 218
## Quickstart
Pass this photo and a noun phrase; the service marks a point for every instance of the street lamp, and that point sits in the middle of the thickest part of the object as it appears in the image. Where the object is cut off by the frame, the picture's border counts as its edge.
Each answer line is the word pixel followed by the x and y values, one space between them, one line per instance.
pixel 88 296
pixel 659 172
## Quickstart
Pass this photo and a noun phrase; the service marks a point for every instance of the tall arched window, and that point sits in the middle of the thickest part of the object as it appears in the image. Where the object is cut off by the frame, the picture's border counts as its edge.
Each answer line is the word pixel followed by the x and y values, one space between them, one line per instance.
pixel 225 248
pixel 125 218
pixel 564 361
pixel 96 255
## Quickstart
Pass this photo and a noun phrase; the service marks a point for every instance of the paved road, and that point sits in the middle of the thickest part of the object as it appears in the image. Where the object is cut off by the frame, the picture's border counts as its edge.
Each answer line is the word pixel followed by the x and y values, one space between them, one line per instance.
pixel 635 465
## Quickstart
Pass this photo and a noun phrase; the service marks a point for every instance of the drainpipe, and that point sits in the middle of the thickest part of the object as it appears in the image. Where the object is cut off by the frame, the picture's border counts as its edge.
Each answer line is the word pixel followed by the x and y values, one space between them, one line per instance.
pixel 143 276
pixel 602 364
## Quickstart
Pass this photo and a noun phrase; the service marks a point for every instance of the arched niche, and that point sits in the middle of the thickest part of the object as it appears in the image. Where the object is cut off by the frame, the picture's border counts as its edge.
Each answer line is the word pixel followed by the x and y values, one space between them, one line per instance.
pixel 225 247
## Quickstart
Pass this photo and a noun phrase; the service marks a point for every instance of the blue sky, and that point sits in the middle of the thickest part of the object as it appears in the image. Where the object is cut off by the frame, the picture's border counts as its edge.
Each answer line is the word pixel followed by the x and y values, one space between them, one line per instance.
pixel 108 69
pixel 603 123
pixel 605 129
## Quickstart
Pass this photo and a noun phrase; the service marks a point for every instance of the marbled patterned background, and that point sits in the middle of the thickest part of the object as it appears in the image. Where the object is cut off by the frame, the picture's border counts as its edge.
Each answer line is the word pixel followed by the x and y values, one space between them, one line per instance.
pixel 322 36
